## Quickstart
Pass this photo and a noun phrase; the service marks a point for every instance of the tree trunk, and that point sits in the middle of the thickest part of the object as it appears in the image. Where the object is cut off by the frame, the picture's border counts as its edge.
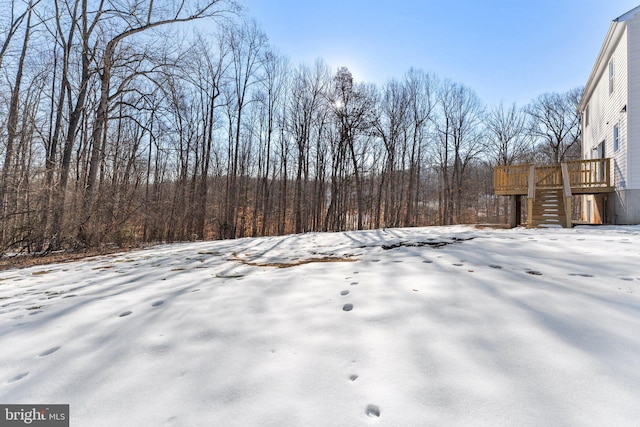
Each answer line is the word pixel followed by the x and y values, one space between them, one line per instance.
pixel 12 121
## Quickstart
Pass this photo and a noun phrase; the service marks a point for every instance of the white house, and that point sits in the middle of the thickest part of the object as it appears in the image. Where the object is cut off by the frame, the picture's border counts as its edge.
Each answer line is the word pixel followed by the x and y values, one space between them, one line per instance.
pixel 610 109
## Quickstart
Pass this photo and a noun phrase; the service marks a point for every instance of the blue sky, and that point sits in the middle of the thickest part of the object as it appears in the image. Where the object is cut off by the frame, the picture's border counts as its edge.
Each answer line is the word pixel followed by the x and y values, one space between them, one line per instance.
pixel 505 50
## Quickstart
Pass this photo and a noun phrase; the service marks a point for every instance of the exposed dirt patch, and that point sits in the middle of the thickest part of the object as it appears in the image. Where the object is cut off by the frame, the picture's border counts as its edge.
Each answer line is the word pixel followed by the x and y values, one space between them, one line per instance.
pixel 41 272
pixel 103 267
pixel 431 242
pixel 23 261
pixel 493 226
pixel 345 258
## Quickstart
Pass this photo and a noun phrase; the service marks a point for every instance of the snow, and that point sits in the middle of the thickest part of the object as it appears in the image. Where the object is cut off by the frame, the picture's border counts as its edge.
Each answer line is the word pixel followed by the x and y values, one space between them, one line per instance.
pixel 404 327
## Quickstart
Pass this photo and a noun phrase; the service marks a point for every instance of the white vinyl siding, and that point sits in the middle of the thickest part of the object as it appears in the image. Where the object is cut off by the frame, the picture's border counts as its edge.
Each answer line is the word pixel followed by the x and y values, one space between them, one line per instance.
pixel 613 102
pixel 606 109
pixel 631 144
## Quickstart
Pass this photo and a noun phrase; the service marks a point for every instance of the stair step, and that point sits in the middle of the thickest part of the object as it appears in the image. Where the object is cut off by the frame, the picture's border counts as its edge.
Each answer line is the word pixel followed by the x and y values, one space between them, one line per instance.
pixel 548 208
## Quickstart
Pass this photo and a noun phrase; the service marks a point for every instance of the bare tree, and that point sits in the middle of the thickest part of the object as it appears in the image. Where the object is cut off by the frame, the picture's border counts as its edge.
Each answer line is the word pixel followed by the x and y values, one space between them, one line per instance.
pixel 12 26
pixel 308 95
pixel 420 87
pixel 555 124
pixel 209 70
pixel 392 126
pixel 87 22
pixel 14 113
pixel 508 140
pixel 273 93
pixel 353 106
pixel 135 18
pixel 247 44
pixel 460 141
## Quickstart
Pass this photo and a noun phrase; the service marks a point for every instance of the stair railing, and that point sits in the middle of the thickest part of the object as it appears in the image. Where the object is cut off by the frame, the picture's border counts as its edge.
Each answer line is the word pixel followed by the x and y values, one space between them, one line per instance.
pixel 548 177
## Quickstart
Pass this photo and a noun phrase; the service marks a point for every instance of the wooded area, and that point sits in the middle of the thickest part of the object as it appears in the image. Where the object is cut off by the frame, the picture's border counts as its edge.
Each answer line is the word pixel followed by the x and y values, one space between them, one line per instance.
pixel 129 121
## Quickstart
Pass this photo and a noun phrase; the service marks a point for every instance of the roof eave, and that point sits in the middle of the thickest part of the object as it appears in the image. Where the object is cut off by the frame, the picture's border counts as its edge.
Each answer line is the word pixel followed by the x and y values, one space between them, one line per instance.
pixel 616 29
pixel 630 14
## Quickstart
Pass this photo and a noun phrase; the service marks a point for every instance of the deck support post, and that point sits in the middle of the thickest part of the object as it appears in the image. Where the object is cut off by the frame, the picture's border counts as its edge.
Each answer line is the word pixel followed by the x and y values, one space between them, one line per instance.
pixel 566 186
pixel 531 194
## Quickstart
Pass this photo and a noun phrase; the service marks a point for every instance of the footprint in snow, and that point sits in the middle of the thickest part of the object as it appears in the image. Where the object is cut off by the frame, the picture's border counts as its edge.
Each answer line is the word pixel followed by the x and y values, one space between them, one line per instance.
pixel 458 264
pixel 427 261
pixel 157 303
pixel 534 272
pixel 373 411
pixel 48 352
pixel 347 307
pixel 18 377
pixel 354 283
pixel 353 377
pixel 343 293
pixel 125 313
pixel 497 267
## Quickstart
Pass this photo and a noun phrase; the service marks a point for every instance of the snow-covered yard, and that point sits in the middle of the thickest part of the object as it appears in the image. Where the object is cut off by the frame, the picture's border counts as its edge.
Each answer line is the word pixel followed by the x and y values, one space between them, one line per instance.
pixel 437 326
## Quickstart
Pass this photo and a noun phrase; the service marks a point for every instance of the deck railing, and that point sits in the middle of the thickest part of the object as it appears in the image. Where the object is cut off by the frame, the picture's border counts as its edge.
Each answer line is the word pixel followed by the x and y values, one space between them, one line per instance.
pixel 590 173
pixel 584 176
pixel 511 178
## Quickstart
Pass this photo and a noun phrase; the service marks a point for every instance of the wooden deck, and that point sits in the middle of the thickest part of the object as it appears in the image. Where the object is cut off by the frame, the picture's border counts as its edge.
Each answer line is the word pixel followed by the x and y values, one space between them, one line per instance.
pixel 584 176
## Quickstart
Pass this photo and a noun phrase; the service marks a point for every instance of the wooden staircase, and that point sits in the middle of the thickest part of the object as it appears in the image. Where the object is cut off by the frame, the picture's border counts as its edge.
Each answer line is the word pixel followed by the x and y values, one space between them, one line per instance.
pixel 549 208
pixel 549 189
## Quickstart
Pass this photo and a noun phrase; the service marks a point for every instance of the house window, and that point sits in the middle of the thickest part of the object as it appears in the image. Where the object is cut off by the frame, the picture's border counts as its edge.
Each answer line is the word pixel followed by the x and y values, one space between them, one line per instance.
pixel 586 116
pixel 616 139
pixel 611 75
pixel 601 168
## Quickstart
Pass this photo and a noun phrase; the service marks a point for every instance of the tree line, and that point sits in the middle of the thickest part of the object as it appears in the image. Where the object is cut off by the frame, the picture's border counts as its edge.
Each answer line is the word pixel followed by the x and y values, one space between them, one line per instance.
pixel 121 125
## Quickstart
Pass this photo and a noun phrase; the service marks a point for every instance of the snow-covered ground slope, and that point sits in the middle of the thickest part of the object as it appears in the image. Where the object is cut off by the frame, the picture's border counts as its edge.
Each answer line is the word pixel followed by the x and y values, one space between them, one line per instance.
pixel 413 327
